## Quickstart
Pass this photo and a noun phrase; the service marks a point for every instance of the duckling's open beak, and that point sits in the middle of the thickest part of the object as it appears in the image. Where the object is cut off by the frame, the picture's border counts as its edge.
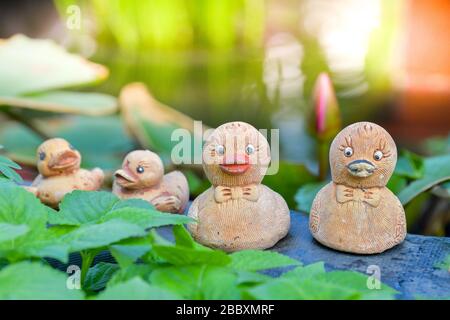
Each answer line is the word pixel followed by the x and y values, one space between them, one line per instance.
pixel 361 168
pixel 124 179
pixel 64 160
pixel 236 166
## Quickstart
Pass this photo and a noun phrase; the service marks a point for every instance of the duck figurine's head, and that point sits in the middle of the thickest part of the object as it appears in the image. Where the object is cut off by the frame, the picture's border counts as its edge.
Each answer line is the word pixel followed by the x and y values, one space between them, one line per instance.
pixel 236 154
pixel 363 155
pixel 140 169
pixel 57 156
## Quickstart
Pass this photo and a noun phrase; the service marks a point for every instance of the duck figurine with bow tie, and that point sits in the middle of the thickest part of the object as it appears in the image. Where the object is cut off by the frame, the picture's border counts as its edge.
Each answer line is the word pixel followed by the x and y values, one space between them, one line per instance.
pixel 237 212
pixel 356 212
pixel 59 166
pixel 142 176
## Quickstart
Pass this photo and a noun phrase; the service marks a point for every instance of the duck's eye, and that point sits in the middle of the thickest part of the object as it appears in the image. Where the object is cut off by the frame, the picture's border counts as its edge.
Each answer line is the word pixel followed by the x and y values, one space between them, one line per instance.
pixel 378 155
pixel 348 152
pixel 140 169
pixel 220 149
pixel 249 149
pixel 41 155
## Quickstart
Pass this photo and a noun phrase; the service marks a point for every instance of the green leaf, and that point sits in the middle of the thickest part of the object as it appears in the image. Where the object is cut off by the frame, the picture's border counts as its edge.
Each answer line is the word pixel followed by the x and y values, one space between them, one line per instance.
pixel 98 235
pixel 410 165
pixel 32 280
pixel 289 178
pixel 183 237
pixel 136 289
pixel 20 207
pixel 134 270
pixel 181 256
pixel 10 173
pixel 306 194
pixel 396 183
pixel 84 207
pixel 255 260
pixel 11 231
pixel 198 282
pixel 312 282
pixel 445 264
pixel 99 275
pixel 146 218
pixel 436 170
pixel 6 162
pixel 126 252
pixel 87 103
pixel 32 65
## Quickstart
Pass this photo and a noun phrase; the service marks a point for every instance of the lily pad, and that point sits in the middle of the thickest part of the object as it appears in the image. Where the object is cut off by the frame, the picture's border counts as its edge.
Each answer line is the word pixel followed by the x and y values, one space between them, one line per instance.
pixel 32 65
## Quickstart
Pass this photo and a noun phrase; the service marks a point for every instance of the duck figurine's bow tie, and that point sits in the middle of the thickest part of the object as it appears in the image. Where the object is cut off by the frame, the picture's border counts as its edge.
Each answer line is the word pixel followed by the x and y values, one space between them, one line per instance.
pixel 371 196
pixel 223 194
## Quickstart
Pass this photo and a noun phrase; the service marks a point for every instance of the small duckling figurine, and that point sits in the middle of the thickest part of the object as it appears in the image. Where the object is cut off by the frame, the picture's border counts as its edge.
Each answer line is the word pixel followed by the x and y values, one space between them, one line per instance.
pixel 142 176
pixel 58 163
pixel 356 212
pixel 237 212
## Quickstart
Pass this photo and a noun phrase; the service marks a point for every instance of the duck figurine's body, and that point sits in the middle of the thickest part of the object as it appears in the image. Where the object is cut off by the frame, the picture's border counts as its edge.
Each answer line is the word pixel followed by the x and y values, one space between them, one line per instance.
pixel 60 173
pixel 142 176
pixel 356 212
pixel 237 212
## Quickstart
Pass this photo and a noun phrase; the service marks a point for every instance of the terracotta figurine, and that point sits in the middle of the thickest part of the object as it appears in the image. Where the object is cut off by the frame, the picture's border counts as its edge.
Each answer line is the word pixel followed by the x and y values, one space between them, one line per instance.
pixel 59 166
pixel 142 176
pixel 238 212
pixel 356 212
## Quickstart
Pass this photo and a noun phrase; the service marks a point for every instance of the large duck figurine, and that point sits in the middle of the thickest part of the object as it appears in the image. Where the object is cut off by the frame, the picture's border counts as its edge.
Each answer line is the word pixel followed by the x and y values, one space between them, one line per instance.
pixel 238 212
pixel 142 176
pixel 58 163
pixel 356 212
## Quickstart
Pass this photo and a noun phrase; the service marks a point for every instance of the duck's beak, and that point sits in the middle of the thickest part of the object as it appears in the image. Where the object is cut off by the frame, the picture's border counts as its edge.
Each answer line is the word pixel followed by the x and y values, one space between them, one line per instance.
pixel 361 168
pixel 124 179
pixel 64 160
pixel 238 165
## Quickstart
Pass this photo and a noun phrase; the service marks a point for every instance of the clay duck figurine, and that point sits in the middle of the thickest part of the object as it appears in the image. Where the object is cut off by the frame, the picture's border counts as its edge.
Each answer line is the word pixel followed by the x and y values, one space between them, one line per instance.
pixel 58 163
pixel 142 176
pixel 356 212
pixel 237 212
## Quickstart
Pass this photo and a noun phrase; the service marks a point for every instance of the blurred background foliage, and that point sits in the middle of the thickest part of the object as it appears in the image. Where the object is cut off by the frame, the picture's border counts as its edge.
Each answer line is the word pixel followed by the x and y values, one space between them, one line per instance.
pixel 265 62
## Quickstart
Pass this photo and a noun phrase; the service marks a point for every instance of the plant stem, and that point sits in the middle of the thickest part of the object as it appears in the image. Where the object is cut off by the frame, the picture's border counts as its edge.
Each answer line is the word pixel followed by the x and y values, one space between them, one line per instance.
pixel 322 155
pixel 87 257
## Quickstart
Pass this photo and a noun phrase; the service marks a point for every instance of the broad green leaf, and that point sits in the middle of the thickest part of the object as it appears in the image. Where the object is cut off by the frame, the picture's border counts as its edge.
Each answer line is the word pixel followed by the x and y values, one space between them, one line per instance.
pixel 32 65
pixel 126 252
pixel 88 103
pixel 98 235
pixel 134 270
pixel 6 162
pixel 198 282
pixel 289 178
pixel 84 207
pixel 136 289
pixel 33 281
pixel 10 173
pixel 255 260
pixel 182 237
pixel 397 183
pixel 409 165
pixel 312 283
pixel 146 218
pixel 436 170
pixel 134 203
pixel 306 194
pixel 182 256
pixel 20 207
pixel 250 277
pixel 11 231
pixel 99 275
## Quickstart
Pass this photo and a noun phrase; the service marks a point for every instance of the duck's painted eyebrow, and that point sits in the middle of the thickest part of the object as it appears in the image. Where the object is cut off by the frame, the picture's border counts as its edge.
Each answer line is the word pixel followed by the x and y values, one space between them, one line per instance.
pixel 144 164
pixel 383 147
pixel 348 143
